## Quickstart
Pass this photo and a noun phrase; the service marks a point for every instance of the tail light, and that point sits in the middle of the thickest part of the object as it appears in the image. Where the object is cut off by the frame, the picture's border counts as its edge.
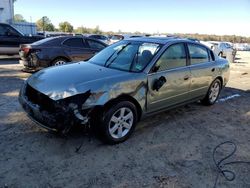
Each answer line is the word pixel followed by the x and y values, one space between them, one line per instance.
pixel 25 50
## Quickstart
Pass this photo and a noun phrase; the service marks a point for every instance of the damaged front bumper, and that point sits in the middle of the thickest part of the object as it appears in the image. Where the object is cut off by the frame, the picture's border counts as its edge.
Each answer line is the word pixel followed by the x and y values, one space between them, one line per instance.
pixel 50 114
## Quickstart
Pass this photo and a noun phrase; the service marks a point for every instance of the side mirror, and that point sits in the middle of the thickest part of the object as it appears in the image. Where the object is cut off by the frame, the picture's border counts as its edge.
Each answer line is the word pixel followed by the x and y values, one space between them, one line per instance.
pixel 155 68
pixel 159 83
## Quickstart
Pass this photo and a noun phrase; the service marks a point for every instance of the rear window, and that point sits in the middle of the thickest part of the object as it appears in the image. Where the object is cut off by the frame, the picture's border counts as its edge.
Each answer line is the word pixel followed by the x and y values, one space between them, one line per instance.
pixel 74 42
pixel 95 45
pixel 100 37
pixel 44 41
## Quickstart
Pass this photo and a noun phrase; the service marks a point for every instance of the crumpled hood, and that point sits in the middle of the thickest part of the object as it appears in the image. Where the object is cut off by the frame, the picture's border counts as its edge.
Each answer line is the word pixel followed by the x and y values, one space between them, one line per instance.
pixel 68 80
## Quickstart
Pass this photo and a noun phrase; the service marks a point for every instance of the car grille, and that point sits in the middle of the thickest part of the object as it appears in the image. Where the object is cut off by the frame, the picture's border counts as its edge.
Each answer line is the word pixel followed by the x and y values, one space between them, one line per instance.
pixel 36 97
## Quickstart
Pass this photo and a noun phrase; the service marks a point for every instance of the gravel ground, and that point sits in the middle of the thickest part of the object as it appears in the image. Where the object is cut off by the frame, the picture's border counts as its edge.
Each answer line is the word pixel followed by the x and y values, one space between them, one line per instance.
pixel 172 149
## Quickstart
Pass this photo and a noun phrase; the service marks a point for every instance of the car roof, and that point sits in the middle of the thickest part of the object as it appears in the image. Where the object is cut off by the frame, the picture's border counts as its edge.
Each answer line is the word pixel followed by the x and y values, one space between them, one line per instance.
pixel 159 40
pixel 60 39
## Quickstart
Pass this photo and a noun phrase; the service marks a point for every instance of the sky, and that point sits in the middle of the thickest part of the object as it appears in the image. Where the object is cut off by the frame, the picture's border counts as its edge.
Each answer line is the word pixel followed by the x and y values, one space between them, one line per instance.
pixel 230 17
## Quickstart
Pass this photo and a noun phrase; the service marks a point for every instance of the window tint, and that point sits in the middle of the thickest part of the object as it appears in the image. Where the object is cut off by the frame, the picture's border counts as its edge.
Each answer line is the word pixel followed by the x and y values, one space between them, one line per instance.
pixel 5 31
pixel 2 31
pixel 95 45
pixel 75 42
pixel 198 54
pixel 173 57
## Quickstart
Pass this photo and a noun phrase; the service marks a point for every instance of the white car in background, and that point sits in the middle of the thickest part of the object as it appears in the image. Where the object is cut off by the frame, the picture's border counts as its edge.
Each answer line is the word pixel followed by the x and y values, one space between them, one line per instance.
pixel 116 38
pixel 222 48
pixel 242 46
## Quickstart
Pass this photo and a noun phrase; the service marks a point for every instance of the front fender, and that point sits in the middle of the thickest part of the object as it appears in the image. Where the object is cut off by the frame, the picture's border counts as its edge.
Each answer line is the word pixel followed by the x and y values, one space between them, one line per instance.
pixel 136 88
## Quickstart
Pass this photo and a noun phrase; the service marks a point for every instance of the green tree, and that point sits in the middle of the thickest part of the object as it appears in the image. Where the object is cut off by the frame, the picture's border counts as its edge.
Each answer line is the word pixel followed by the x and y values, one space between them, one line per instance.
pixel 66 27
pixel 82 30
pixel 97 30
pixel 19 18
pixel 45 24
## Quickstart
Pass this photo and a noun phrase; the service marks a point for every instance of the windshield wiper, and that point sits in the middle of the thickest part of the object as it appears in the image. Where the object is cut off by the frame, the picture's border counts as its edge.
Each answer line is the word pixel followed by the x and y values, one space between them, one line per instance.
pixel 117 54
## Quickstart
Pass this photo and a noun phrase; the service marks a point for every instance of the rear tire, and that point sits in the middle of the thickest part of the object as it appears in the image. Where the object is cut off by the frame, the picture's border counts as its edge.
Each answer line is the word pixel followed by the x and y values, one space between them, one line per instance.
pixel 59 61
pixel 213 93
pixel 118 122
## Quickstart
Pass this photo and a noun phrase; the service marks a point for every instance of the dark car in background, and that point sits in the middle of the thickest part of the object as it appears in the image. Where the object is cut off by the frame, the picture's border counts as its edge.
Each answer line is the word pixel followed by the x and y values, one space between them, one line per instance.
pixel 11 38
pixel 58 50
pixel 101 38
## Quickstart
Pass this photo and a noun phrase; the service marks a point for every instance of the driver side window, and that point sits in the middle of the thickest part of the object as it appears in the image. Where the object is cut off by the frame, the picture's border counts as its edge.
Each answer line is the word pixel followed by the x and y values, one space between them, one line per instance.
pixel 3 31
pixel 7 31
pixel 173 57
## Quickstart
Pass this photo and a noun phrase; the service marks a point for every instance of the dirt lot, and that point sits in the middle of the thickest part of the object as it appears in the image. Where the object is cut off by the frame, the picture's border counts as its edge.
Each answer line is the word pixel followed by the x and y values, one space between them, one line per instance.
pixel 172 149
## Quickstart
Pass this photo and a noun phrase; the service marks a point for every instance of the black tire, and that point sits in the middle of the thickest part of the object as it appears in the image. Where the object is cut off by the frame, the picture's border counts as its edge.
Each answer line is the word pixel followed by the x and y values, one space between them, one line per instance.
pixel 60 59
pixel 105 124
pixel 207 100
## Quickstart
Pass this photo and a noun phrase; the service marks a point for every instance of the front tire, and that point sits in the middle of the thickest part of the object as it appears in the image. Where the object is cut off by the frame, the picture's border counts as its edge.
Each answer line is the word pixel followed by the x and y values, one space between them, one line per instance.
pixel 213 93
pixel 119 122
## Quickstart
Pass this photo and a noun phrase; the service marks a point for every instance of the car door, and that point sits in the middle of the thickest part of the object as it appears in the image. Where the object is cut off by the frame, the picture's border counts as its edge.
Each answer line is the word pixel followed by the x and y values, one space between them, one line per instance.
pixel 171 67
pixel 202 69
pixel 77 49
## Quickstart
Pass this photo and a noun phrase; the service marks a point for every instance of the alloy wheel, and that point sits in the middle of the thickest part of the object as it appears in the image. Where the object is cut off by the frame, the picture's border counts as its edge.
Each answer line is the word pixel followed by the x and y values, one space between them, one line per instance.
pixel 121 122
pixel 60 62
pixel 214 92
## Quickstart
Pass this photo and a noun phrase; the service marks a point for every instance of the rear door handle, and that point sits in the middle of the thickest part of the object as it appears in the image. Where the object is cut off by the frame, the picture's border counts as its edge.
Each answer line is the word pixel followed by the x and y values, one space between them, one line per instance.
pixel 213 69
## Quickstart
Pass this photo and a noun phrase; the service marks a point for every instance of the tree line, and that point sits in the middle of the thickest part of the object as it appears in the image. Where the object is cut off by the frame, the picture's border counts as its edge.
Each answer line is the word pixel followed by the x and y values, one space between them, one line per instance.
pixel 44 24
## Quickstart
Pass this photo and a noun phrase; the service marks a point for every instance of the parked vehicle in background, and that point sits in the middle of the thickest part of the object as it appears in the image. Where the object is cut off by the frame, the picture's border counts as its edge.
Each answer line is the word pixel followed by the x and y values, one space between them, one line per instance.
pixel 101 38
pixel 222 48
pixel 126 81
pixel 208 44
pixel 242 46
pixel 116 38
pixel 11 38
pixel 57 51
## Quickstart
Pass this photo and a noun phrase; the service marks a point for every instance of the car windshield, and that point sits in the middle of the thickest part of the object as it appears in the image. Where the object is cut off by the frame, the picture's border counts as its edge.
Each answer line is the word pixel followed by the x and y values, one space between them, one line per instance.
pixel 227 45
pixel 126 55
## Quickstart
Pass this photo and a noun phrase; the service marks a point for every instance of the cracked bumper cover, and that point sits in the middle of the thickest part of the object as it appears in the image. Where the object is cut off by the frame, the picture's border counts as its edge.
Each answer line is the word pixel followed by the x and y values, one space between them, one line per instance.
pixel 61 120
